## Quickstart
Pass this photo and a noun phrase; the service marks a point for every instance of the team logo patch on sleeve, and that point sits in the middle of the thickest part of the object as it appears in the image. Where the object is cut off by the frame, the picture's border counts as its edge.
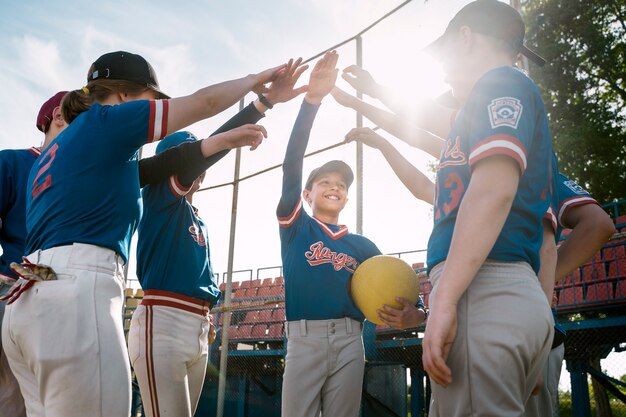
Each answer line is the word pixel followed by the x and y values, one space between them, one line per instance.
pixel 575 187
pixel 505 111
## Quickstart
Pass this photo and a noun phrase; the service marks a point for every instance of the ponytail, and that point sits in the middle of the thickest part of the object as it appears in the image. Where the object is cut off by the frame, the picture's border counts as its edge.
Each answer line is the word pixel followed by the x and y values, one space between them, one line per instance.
pixel 77 101
pixel 74 103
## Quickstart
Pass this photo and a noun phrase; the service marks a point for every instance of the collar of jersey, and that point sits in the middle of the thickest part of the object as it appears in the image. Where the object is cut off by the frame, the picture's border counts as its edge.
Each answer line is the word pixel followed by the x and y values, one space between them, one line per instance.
pixel 342 231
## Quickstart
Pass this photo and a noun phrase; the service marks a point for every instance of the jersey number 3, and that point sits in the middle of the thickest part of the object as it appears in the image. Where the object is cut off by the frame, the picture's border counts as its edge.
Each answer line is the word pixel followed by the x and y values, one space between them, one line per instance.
pixel 47 182
pixel 454 190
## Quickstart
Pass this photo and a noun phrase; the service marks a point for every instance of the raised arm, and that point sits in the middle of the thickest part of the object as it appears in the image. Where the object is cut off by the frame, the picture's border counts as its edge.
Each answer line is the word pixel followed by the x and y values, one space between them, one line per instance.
pixel 321 81
pixel 413 179
pixel 392 123
pixel 189 160
pixel 428 115
pixel 209 101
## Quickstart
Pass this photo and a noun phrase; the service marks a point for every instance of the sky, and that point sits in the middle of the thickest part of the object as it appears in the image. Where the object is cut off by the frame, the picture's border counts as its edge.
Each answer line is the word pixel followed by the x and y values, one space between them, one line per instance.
pixel 46 47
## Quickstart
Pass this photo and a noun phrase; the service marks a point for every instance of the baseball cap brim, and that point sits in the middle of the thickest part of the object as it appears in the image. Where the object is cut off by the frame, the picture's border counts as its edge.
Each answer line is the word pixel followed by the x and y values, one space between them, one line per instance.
pixel 435 49
pixel 331 166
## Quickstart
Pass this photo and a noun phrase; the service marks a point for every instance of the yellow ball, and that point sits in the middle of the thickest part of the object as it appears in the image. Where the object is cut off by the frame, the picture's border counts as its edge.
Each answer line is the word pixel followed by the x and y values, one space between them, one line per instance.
pixel 380 280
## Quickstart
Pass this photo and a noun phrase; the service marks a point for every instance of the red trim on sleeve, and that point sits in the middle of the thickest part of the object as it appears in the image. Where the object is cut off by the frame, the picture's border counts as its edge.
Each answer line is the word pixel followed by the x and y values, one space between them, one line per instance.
pixel 177 188
pixel 551 218
pixel 166 111
pixel 35 151
pixel 157 120
pixel 292 217
pixel 571 202
pixel 506 145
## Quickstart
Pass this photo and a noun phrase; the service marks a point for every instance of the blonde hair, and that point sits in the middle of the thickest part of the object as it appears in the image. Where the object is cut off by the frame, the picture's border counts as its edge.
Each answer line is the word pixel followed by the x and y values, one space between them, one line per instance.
pixel 77 101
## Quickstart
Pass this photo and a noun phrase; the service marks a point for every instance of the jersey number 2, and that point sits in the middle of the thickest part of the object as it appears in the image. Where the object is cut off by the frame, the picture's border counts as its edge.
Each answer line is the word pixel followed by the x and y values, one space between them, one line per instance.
pixel 50 154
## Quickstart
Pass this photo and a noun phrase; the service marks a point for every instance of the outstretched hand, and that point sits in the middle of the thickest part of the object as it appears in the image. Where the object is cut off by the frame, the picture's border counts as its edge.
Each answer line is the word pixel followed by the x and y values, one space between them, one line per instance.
pixel 361 80
pixel 366 136
pixel 265 77
pixel 323 78
pixel 342 97
pixel 246 135
pixel 282 88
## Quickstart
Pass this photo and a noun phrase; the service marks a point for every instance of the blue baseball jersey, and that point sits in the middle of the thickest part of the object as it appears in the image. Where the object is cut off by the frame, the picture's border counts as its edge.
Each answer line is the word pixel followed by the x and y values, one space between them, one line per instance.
pixel 173 248
pixel 318 258
pixel 15 165
pixel 504 115
pixel 570 195
pixel 85 187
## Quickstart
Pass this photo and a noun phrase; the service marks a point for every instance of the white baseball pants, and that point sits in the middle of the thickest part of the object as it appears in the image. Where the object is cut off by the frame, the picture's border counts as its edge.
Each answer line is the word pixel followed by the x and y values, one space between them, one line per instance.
pixel 64 339
pixel 168 347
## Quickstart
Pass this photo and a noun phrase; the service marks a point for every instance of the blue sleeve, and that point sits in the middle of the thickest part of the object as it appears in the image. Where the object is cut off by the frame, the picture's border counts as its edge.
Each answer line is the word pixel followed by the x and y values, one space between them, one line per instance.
pixel 290 204
pixel 166 193
pixel 131 125
pixel 570 195
pixel 501 118
pixel 186 160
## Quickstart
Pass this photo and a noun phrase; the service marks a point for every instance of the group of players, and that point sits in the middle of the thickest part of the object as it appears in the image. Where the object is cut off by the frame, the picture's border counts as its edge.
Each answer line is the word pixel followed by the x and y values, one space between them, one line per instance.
pixel 499 207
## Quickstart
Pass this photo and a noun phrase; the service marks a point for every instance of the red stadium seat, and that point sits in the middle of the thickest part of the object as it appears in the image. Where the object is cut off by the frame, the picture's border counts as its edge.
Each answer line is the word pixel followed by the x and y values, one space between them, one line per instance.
pixel 599 292
pixel 275 331
pixel 417 265
pixel 267 282
pixel 251 317
pixel 259 331
pixel 276 291
pixel 593 272
pixel 223 287
pixel 620 289
pixel 264 291
pixel 244 332
pixel 251 292
pixel 615 252
pixel 617 268
pixel 278 315
pixel 255 283
pixel 571 296
pixel 278 281
pixel 245 284
pixel 233 333
pixel 240 293
pixel 265 316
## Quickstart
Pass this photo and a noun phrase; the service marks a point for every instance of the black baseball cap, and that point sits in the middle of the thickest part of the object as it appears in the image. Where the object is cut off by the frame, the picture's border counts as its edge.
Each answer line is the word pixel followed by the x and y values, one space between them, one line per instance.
pixel 122 65
pixel 331 166
pixel 491 18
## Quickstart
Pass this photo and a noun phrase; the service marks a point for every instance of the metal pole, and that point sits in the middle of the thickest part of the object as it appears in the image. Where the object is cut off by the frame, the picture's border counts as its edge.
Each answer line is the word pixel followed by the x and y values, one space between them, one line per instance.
pixel 359 149
pixel 221 390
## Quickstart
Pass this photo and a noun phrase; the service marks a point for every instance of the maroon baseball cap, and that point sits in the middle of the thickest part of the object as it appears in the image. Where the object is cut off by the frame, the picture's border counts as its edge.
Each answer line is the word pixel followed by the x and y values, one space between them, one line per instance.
pixel 491 18
pixel 122 65
pixel 331 166
pixel 44 118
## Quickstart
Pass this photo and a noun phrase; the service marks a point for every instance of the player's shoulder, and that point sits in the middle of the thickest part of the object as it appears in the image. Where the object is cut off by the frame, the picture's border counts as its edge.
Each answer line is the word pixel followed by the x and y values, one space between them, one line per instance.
pixel 17 155
pixel 507 79
pixel 364 243
pixel 569 186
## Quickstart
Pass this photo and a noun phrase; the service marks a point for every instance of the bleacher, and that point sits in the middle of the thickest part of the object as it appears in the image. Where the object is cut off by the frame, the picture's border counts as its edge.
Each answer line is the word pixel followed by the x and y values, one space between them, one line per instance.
pixel 600 283
pixel 258 319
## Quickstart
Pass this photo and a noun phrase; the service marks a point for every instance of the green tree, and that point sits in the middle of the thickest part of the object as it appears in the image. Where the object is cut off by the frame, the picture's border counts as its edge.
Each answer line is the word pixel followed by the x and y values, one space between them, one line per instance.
pixel 584 87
